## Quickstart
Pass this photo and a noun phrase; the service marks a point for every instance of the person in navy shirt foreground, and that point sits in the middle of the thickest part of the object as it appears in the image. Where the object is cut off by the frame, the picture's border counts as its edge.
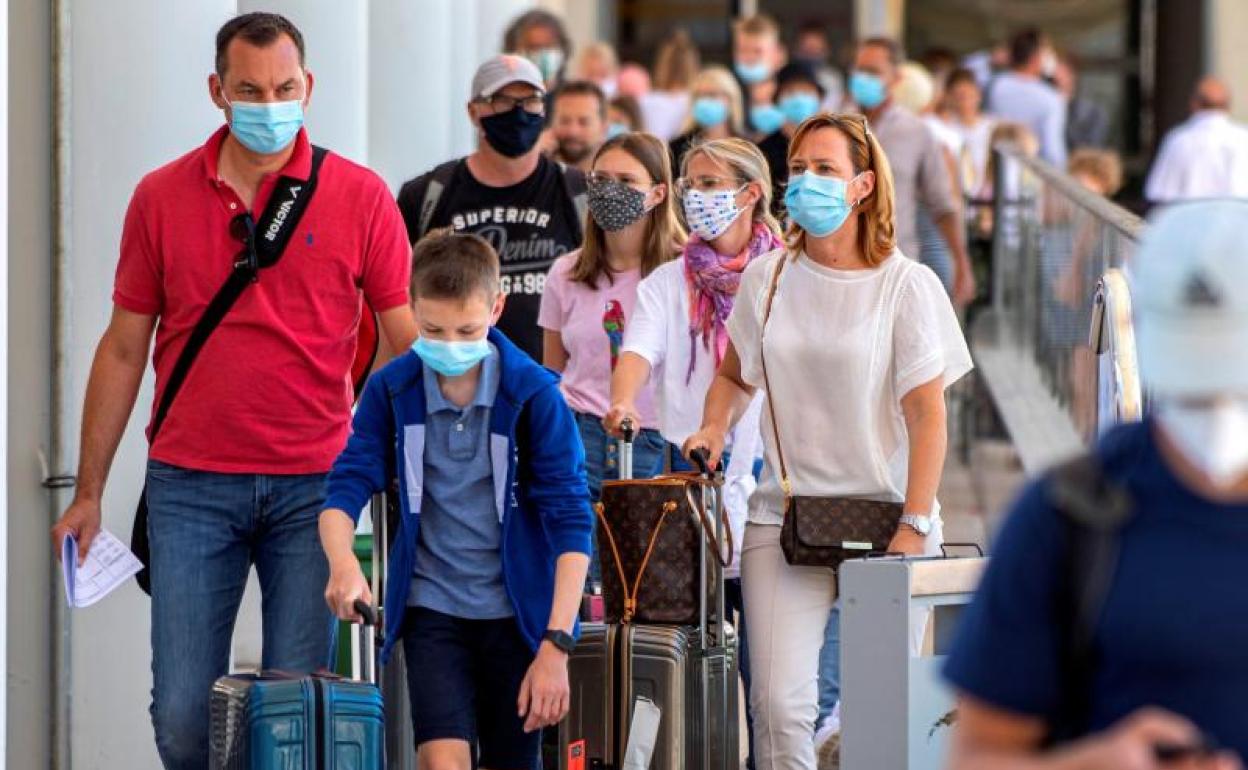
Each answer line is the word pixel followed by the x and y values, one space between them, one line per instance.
pixel 1161 678
pixel 489 561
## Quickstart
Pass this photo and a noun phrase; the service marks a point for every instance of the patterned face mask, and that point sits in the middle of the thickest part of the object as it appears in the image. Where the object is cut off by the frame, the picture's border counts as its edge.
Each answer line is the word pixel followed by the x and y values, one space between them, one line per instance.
pixel 615 205
pixel 710 214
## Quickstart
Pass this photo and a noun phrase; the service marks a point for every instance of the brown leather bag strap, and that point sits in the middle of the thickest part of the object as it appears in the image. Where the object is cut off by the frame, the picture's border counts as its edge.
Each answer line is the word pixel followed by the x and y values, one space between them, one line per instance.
pixel 762 357
pixel 630 593
pixel 708 530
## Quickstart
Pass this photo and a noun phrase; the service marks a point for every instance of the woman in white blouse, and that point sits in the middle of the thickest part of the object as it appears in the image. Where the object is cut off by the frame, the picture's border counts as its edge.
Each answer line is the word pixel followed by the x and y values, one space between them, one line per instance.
pixel 860 344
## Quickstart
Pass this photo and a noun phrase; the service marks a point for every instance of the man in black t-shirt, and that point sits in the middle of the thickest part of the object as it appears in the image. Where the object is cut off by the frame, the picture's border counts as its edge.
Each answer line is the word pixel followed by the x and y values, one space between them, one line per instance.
pixel 529 208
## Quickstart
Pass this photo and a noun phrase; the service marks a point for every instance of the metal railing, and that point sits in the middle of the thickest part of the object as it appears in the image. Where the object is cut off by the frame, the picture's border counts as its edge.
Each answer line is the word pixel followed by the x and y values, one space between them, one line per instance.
pixel 1057 349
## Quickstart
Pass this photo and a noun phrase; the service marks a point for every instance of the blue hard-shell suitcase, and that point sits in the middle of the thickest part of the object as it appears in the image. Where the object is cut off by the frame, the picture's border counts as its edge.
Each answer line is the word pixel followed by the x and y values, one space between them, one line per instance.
pixel 316 722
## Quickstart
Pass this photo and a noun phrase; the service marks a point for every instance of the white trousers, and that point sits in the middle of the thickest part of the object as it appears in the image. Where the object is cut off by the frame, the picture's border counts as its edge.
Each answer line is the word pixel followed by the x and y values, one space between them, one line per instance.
pixel 786 611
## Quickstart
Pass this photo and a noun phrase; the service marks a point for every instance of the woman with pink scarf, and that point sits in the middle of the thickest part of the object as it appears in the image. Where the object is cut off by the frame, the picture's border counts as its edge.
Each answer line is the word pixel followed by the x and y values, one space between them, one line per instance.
pixel 677 338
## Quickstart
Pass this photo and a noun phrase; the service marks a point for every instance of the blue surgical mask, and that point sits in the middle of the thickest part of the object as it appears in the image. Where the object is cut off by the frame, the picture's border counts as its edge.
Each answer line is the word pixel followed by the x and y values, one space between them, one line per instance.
pixel 817 203
pixel 766 118
pixel 798 107
pixel 616 129
pixel 709 111
pixel 451 359
pixel 868 91
pixel 751 74
pixel 266 127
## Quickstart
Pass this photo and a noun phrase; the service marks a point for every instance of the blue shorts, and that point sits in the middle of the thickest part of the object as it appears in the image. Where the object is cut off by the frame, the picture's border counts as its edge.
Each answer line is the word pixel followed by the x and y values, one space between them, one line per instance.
pixel 463 678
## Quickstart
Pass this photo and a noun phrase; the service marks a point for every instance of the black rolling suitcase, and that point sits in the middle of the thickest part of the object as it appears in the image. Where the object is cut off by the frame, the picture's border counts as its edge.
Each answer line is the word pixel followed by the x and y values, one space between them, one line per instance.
pixel 688 672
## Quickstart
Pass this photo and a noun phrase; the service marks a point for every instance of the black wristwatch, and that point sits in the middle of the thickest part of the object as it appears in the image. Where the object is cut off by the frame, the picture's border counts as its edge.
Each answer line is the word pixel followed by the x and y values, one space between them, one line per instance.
pixel 562 640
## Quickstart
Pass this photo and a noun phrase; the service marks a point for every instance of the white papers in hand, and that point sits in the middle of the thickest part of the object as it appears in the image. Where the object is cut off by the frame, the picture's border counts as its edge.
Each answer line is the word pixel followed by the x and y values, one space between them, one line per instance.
pixel 109 563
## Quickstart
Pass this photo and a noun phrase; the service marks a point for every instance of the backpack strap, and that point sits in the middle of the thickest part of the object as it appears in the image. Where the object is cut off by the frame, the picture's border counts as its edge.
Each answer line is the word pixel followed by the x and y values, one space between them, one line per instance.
pixel 1094 509
pixel 439 179
pixel 574 185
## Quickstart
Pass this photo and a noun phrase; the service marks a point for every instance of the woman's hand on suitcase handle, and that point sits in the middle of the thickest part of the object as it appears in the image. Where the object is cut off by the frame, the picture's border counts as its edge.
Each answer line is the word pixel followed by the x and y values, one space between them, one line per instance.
pixel 545 694
pixel 709 440
pixel 347 585
pixel 620 413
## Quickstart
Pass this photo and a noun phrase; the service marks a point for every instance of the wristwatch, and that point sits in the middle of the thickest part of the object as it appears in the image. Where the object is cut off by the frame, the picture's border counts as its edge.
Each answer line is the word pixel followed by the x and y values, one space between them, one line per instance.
pixel 562 640
pixel 919 523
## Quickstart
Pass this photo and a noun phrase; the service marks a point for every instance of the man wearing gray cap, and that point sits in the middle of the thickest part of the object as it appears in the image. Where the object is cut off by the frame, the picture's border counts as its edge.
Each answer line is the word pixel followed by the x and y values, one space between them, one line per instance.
pixel 1110 628
pixel 528 207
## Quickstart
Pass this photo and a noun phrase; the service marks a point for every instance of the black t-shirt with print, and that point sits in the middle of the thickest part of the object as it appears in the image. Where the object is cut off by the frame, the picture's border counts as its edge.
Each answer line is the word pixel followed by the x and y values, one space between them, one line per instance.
pixel 529 224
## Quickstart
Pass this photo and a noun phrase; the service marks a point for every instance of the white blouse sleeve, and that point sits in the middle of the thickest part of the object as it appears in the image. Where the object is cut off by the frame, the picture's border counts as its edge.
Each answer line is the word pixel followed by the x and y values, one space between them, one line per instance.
pixel 646 332
pixel 745 324
pixel 927 340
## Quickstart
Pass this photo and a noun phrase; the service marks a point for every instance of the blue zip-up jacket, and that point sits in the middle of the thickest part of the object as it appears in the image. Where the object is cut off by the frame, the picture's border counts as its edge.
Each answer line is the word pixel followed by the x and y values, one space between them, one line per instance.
pixel 540 489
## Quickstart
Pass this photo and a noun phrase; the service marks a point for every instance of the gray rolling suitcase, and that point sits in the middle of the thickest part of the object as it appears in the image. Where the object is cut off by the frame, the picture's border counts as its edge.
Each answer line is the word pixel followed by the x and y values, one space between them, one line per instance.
pixel 688 672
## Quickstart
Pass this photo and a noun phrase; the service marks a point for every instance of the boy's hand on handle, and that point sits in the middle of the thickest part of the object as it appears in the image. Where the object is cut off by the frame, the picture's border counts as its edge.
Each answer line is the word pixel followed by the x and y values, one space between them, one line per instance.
pixel 1140 741
pixel 82 520
pixel 620 413
pixel 347 585
pixel 708 439
pixel 545 693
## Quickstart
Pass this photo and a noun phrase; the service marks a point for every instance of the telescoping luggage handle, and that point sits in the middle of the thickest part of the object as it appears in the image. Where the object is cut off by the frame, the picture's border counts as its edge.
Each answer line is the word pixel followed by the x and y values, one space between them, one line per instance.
pixel 626 449
pixel 714 505
pixel 368 641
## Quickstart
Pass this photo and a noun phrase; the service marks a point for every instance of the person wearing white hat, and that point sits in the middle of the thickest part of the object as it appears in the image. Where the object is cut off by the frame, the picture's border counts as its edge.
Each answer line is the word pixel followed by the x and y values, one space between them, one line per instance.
pixel 1109 629
pixel 529 208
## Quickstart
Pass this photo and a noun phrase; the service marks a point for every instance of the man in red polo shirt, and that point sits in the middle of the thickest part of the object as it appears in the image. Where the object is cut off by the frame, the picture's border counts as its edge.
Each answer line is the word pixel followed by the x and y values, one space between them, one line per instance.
pixel 235 476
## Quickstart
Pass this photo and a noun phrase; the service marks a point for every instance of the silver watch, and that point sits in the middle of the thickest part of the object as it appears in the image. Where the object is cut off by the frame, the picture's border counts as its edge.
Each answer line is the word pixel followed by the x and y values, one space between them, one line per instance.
pixel 921 524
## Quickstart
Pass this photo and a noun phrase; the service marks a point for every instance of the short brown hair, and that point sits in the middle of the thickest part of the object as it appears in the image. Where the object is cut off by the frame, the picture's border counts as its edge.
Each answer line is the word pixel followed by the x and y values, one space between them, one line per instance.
pixel 876 231
pixel 448 265
pixel 582 88
pixel 896 54
pixel 259 29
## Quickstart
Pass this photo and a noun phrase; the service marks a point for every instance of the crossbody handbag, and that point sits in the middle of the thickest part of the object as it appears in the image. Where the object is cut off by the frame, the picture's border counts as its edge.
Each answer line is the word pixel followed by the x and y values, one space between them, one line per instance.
pixel 263 246
pixel 822 531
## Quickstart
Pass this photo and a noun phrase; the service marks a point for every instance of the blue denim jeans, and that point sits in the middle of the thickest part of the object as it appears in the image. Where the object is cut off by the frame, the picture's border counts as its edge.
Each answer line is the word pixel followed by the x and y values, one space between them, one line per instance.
pixel 830 665
pixel 206 530
pixel 602 464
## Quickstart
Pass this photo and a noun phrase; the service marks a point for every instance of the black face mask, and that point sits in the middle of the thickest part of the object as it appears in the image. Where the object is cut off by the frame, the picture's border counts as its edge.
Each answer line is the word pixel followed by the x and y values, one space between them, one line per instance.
pixel 513 133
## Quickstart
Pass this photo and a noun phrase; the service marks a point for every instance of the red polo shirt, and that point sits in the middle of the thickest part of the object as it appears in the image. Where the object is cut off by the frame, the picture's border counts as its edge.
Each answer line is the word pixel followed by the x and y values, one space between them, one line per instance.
pixel 270 392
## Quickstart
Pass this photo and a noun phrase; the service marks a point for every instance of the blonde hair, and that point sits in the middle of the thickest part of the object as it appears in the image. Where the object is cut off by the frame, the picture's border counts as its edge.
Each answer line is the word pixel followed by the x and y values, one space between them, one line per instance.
pixel 665 236
pixel 916 88
pixel 676 63
pixel 596 50
pixel 759 24
pixel 719 80
pixel 743 159
pixel 1014 133
pixel 876 231
pixel 1102 165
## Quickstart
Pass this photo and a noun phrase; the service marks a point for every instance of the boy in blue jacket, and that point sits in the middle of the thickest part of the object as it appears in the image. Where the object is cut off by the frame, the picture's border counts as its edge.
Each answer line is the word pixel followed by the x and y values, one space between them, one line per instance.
pixel 489 561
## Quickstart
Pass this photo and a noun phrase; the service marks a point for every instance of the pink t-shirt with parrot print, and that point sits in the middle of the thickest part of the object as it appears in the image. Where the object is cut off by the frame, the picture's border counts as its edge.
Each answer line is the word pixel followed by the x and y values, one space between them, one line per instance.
pixel 591 324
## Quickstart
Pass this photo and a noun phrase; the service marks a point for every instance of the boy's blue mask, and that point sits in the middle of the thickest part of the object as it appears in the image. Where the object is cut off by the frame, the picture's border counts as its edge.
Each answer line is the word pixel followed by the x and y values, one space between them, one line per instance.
pixel 451 359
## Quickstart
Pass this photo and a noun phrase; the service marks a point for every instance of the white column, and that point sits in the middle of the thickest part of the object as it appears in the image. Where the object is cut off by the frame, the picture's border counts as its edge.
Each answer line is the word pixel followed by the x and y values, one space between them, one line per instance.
pixel 1225 53
pixel 880 17
pixel 4 356
pixel 412 106
pixel 139 100
pixel 336 36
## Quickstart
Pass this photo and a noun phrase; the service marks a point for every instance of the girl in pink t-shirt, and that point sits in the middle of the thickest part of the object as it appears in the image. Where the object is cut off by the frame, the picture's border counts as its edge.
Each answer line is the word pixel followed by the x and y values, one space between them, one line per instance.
pixel 632 228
